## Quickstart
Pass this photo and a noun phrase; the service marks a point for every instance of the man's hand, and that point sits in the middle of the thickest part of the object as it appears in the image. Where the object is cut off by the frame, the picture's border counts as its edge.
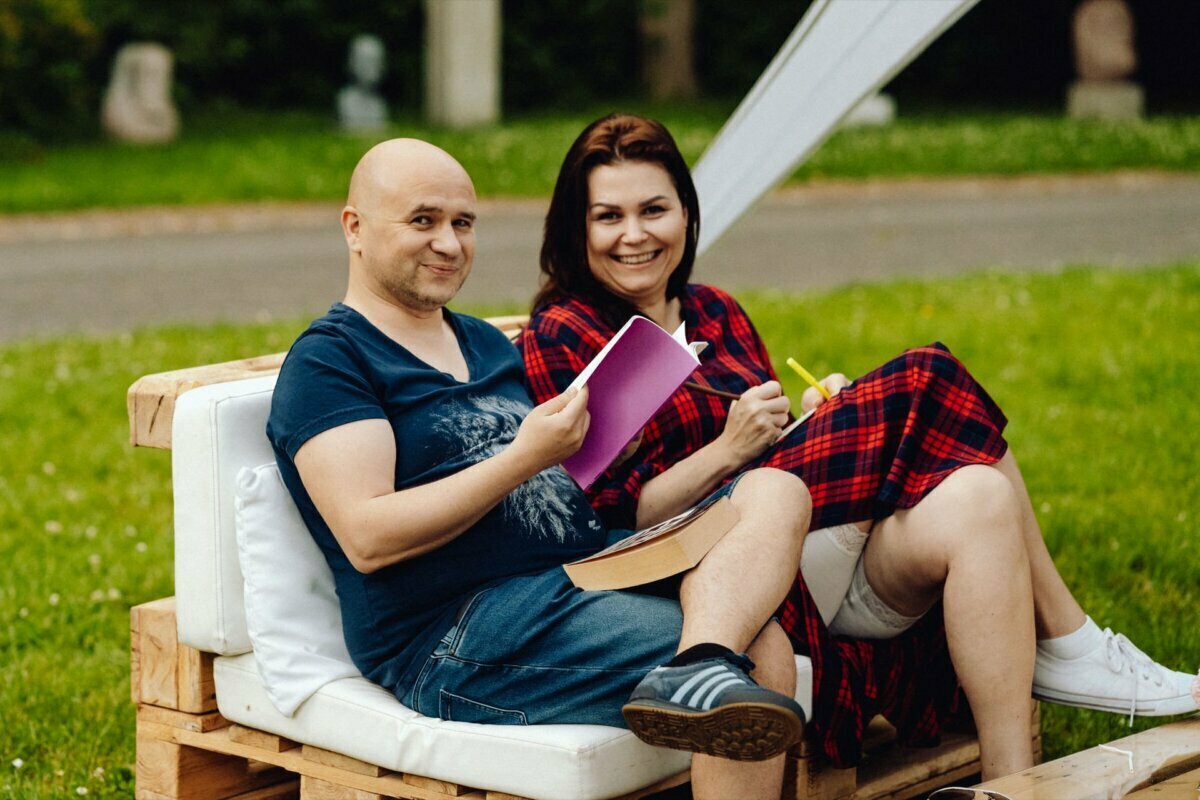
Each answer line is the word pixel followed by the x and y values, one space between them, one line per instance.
pixel 755 420
pixel 554 430
pixel 833 384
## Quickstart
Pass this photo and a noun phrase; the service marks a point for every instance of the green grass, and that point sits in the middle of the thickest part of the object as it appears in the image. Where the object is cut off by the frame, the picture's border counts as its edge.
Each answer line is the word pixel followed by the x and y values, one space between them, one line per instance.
pixel 244 156
pixel 1096 369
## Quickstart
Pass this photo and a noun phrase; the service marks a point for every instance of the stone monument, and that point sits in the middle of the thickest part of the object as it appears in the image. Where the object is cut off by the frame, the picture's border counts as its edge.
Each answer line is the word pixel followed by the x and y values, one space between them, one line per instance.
pixel 360 106
pixel 137 105
pixel 1102 33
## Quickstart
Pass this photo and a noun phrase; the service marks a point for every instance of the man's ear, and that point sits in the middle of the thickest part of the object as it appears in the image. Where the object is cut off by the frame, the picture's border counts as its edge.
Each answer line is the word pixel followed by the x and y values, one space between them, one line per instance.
pixel 351 222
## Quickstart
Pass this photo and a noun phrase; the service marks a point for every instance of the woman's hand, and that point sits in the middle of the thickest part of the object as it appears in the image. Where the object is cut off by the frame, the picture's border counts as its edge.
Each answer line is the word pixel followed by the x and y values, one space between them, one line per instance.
pixel 554 430
pixel 833 384
pixel 755 420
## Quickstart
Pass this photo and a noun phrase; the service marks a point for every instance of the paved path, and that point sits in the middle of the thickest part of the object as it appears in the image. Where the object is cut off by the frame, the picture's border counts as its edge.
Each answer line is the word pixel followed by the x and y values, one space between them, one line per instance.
pixel 110 271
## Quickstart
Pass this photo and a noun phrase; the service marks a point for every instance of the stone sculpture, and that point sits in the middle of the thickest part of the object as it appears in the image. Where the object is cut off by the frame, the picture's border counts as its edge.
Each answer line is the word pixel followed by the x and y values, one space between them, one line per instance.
pixel 360 106
pixel 137 105
pixel 1105 56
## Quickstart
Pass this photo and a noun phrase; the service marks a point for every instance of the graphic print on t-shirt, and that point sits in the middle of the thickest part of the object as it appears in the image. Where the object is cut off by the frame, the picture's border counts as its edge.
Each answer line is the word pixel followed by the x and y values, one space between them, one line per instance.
pixel 542 506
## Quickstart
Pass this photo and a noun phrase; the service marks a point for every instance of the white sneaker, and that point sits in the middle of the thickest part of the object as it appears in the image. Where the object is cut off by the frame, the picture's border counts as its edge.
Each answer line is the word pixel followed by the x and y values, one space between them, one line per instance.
pixel 1118 677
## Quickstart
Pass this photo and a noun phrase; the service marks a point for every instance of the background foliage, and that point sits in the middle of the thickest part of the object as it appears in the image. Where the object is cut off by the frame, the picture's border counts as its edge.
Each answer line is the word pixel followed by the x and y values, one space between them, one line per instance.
pixel 55 54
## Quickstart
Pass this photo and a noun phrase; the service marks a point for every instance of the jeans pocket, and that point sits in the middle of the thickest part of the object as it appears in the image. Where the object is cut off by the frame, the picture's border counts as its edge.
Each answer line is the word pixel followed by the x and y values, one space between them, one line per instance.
pixel 456 708
pixel 448 646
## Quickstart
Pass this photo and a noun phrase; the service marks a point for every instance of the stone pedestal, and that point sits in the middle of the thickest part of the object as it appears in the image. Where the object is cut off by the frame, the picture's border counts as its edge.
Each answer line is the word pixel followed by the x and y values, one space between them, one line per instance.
pixel 462 62
pixel 878 109
pixel 1108 100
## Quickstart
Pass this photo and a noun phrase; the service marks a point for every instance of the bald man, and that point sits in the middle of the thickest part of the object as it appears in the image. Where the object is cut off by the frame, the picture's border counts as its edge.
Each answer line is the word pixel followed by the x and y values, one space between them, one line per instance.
pixel 406 437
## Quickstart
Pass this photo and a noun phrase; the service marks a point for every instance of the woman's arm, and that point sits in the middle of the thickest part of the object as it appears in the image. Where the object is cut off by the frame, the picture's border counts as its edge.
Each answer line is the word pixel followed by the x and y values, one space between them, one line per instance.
pixel 754 423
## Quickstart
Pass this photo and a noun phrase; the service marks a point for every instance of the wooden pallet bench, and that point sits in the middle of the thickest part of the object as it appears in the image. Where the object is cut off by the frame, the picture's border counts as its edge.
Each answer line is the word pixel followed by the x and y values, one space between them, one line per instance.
pixel 188 751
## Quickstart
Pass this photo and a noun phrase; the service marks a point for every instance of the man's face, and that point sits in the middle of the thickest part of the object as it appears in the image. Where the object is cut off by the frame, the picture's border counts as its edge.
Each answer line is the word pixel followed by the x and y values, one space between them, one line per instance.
pixel 417 242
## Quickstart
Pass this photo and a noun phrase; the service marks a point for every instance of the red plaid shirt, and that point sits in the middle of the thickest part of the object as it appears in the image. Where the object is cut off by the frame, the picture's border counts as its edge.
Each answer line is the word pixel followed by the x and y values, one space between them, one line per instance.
pixel 880 445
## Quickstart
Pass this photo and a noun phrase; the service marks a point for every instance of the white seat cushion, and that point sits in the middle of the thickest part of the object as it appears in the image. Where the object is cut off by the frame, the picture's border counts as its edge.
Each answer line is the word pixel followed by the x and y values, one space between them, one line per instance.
pixel 358 718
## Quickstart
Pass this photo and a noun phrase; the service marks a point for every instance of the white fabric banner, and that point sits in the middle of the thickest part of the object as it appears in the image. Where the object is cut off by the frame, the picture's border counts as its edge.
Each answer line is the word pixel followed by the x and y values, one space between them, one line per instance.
pixel 841 52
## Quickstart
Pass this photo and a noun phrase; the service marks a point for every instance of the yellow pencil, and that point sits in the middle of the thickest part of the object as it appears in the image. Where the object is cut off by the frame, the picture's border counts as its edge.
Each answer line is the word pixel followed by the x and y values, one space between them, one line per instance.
pixel 803 373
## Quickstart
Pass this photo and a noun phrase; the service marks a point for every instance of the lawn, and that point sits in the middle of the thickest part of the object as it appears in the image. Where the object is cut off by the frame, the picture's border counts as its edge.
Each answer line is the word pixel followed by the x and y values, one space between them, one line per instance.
pixel 245 156
pixel 1096 369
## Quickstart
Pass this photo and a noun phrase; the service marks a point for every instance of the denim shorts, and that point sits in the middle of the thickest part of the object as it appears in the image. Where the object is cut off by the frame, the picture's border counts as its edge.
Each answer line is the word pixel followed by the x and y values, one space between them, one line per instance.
pixel 535 649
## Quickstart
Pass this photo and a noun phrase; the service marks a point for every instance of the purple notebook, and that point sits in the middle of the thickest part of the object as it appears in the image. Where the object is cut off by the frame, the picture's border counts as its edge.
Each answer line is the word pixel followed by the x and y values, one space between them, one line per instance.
pixel 628 381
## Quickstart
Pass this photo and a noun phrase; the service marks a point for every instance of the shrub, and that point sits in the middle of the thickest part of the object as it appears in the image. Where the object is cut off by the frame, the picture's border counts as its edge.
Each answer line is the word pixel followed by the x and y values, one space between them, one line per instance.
pixel 44 91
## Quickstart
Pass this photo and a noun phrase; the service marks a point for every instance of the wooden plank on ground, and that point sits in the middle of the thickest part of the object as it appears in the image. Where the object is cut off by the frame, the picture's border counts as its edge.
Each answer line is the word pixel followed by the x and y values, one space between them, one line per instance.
pixel 1165 751
pixel 1184 786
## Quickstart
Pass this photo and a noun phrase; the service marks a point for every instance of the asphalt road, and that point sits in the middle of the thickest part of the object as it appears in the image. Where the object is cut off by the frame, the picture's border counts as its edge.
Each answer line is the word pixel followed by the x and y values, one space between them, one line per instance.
pixel 110 272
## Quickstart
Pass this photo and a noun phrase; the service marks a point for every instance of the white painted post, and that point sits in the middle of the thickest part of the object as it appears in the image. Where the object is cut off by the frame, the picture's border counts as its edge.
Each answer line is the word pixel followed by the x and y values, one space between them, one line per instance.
pixel 462 62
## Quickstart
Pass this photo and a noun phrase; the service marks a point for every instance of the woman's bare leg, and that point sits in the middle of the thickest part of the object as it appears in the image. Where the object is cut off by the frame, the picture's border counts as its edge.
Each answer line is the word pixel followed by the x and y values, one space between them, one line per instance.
pixel 964 542
pixel 1055 609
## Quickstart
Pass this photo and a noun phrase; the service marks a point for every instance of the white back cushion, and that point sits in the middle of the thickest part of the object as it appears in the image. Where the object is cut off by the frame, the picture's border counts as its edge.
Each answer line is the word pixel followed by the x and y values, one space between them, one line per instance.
pixel 292 610
pixel 217 430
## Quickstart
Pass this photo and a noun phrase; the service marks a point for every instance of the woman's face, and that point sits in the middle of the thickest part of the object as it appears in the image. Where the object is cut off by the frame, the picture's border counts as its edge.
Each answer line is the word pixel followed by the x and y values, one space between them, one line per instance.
pixel 636 229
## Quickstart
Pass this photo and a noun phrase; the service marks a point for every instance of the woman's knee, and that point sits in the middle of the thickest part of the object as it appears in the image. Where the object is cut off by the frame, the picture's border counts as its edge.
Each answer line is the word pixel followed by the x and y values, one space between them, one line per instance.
pixel 766 491
pixel 989 512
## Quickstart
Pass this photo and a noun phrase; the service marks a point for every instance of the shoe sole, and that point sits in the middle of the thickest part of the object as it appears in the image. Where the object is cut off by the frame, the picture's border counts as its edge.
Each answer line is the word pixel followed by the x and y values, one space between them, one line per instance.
pixel 737 731
pixel 1183 704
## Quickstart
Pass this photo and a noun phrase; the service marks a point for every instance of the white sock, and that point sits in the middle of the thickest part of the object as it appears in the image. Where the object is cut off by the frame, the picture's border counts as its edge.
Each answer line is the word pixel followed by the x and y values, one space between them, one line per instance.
pixel 827 564
pixel 1076 644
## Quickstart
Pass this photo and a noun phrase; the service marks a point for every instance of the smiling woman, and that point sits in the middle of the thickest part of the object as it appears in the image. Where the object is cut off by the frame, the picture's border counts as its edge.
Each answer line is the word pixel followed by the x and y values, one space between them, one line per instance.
pixel 636 231
pixel 910 478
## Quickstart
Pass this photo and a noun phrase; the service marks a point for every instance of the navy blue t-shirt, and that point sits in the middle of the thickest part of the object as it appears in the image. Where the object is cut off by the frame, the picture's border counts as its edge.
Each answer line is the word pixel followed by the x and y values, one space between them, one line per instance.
pixel 343 369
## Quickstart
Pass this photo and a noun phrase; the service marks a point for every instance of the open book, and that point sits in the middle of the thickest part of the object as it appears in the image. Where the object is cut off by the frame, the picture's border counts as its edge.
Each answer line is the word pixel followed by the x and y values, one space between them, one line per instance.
pixel 628 381
pixel 654 553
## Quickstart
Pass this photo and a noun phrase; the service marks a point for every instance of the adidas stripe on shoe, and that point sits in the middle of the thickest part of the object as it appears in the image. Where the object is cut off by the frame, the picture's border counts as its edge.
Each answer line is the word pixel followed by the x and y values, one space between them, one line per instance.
pixel 713 707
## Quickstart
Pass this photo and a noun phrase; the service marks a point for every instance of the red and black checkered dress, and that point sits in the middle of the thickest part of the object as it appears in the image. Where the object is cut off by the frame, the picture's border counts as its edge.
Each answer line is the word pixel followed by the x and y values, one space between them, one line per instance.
pixel 880 445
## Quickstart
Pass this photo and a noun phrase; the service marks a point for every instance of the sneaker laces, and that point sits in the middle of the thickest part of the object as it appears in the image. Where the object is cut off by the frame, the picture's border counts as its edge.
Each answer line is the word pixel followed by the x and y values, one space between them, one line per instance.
pixel 1123 655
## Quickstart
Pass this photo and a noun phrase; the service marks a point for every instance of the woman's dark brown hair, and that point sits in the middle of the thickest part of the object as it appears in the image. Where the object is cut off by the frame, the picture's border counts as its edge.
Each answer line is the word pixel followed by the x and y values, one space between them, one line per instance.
pixel 611 140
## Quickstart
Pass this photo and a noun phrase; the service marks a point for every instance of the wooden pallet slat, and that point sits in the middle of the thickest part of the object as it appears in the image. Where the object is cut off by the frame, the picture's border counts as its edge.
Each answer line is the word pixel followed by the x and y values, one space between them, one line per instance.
pixel 260 739
pixel 332 759
pixel 164 672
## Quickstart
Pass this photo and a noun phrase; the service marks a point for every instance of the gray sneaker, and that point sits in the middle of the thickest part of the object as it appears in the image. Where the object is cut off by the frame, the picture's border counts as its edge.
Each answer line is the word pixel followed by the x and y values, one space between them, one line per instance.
pixel 713 707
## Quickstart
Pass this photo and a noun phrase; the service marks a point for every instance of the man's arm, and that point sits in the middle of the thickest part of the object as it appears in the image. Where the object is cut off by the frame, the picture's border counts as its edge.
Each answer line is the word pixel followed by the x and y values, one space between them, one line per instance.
pixel 349 472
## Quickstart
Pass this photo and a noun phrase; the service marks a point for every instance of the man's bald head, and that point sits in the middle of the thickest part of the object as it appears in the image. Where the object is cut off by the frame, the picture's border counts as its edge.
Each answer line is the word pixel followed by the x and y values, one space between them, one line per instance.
pixel 409 224
pixel 397 163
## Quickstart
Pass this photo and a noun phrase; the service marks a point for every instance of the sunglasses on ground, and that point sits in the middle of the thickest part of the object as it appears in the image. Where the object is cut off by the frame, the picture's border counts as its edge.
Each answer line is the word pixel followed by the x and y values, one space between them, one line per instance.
pixel 964 793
